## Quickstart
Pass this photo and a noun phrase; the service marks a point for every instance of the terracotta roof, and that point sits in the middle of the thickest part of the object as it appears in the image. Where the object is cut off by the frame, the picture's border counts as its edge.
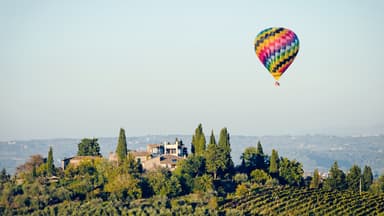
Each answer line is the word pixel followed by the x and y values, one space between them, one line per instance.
pixel 169 159
pixel 82 157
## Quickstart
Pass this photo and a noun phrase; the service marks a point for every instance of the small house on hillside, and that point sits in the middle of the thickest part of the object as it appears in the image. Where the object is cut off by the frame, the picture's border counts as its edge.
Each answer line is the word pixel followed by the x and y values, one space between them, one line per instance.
pixel 139 156
pixel 163 161
pixel 76 160
pixel 158 155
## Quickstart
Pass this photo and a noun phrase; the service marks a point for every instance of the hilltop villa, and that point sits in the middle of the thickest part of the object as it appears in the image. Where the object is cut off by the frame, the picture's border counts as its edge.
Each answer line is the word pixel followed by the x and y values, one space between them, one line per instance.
pixel 164 155
pixel 158 155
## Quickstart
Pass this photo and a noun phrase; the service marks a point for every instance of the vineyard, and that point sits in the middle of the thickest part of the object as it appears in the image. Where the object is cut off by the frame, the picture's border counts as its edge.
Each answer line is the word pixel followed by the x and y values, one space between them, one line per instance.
pixel 303 201
pixel 279 200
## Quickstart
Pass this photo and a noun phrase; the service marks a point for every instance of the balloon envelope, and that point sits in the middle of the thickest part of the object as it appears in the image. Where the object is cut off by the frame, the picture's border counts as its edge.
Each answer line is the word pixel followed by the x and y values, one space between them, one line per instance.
pixel 276 48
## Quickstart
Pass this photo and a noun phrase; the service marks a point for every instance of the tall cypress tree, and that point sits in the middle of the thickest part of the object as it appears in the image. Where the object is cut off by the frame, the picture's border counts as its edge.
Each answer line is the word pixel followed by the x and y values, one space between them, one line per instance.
pixel 336 179
pixel 367 178
pixel 315 182
pixel 198 144
pixel 121 149
pixel 260 157
pixel 224 147
pixel 353 178
pixel 34 171
pixel 3 175
pixel 212 156
pixel 212 139
pixel 259 148
pixel 50 165
pixel 274 164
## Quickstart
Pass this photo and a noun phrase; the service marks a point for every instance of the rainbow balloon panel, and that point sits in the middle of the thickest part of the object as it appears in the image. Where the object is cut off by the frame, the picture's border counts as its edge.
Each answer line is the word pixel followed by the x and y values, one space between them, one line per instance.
pixel 276 48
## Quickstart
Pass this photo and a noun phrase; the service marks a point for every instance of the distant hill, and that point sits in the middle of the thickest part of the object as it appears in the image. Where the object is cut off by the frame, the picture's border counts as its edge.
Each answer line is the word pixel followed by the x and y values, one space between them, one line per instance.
pixel 313 151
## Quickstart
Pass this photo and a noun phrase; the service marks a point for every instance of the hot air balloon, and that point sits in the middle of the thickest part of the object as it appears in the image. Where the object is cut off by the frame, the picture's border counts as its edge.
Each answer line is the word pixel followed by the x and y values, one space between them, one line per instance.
pixel 276 48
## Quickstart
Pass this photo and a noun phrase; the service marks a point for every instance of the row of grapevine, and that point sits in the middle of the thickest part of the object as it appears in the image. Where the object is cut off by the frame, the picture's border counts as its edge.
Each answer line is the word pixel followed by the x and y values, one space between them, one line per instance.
pixel 303 201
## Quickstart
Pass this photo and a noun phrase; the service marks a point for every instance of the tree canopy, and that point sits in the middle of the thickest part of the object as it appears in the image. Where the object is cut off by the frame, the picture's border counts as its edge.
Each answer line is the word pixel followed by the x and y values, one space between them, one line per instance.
pixel 354 178
pixel 50 164
pixel 253 158
pixel 336 179
pixel 88 147
pixel 274 164
pixel 367 178
pixel 213 157
pixel 291 172
pixel 121 149
pixel 316 179
pixel 198 141
pixel 224 148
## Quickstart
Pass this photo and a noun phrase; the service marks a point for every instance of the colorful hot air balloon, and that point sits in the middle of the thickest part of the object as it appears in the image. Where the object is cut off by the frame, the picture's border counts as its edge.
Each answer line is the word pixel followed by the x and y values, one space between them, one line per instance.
pixel 276 48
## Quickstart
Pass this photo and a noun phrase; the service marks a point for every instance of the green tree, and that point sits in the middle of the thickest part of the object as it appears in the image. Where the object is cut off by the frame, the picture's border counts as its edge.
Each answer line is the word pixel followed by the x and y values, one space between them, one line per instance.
pixel 224 147
pixel 259 148
pixel 212 139
pixel 158 179
pixel 34 172
pixel 124 186
pixel 212 156
pixel 354 178
pixel 377 186
pixel 274 164
pixel 291 172
pixel 261 159
pixel 242 189
pixel 189 169
pixel 173 187
pixel 240 178
pixel 131 166
pixel 260 176
pixel 50 164
pixel 4 177
pixel 86 179
pixel 316 179
pixel 249 159
pixel 198 141
pixel 367 178
pixel 193 166
pixel 88 147
pixel 121 149
pixel 253 158
pixel 336 179
pixel 203 183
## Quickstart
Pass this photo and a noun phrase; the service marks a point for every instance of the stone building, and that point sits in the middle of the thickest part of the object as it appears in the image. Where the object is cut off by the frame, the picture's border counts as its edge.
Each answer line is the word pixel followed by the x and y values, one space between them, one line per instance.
pixel 162 161
pixel 158 155
pixel 177 149
pixel 76 160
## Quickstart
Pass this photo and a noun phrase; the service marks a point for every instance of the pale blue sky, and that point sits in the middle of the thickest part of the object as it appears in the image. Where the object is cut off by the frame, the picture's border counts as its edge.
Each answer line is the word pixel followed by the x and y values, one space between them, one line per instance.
pixel 86 68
